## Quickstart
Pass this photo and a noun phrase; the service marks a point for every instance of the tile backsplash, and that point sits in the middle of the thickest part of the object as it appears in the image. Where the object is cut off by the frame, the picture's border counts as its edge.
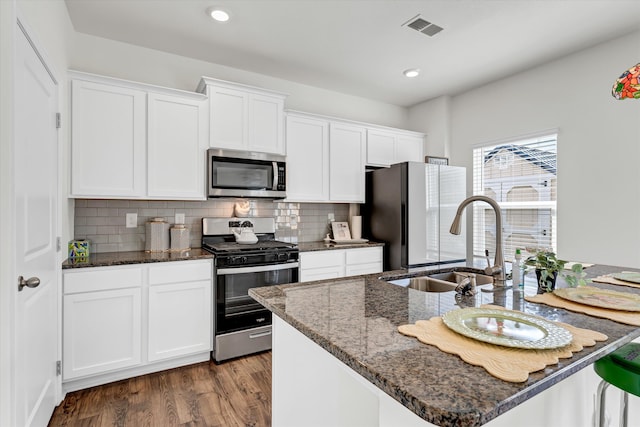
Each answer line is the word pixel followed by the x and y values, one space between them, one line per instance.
pixel 103 222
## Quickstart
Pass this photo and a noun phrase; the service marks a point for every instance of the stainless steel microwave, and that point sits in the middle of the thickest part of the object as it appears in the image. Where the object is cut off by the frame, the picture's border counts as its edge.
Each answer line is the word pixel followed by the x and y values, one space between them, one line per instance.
pixel 232 173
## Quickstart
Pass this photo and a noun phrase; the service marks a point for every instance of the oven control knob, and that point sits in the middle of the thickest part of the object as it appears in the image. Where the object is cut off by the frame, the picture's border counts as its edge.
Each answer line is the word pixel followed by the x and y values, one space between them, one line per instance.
pixel 283 257
pixel 237 260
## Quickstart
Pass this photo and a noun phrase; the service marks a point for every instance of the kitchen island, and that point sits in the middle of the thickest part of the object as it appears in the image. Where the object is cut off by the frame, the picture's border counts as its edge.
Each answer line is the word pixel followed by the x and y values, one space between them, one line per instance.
pixel 344 332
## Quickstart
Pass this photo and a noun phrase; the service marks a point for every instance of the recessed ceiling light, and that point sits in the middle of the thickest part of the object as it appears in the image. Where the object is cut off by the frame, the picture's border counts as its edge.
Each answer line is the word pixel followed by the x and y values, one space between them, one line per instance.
pixel 219 14
pixel 412 72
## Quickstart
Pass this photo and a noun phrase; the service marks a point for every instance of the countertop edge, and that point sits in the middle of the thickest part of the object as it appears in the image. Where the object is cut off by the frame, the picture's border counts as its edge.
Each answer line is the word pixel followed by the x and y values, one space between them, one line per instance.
pixel 322 246
pixel 107 259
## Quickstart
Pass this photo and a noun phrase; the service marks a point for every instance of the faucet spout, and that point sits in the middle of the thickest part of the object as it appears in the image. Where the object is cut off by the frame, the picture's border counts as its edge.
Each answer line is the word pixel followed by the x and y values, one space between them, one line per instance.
pixel 498 270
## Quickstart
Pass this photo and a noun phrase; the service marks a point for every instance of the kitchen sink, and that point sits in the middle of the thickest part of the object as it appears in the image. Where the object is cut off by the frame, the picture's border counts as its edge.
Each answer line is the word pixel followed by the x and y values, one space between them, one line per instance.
pixel 439 282
pixel 450 276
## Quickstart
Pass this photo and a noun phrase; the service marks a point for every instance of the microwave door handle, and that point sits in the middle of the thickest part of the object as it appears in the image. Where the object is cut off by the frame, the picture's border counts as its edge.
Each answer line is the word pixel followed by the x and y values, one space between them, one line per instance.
pixel 275 175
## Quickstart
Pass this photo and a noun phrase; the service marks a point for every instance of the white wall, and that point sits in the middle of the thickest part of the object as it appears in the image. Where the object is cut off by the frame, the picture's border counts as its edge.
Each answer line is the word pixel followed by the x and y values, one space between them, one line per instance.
pixel 112 58
pixel 598 144
pixel 433 118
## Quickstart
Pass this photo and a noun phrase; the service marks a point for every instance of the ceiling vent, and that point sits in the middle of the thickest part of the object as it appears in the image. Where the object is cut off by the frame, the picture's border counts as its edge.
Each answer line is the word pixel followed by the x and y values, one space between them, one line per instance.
pixel 422 25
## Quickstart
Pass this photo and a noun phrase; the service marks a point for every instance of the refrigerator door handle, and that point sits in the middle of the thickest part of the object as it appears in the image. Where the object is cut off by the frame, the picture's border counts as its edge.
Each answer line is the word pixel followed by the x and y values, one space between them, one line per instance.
pixel 403 224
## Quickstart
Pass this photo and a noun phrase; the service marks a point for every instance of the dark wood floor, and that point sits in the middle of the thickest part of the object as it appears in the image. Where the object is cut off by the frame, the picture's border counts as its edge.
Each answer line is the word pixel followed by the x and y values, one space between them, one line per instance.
pixel 235 393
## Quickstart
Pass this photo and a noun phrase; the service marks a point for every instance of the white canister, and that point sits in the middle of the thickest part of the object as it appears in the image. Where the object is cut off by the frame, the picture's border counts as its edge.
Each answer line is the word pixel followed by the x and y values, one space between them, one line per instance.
pixel 179 237
pixel 156 235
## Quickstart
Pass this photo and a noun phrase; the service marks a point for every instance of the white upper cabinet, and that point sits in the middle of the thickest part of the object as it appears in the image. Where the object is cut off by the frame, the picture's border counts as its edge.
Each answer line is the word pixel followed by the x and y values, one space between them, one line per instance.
pixel 325 160
pixel 266 119
pixel 380 147
pixel 108 137
pixel 131 140
pixel 386 147
pixel 326 157
pixel 228 117
pixel 244 117
pixel 307 159
pixel 347 145
pixel 176 145
pixel 409 149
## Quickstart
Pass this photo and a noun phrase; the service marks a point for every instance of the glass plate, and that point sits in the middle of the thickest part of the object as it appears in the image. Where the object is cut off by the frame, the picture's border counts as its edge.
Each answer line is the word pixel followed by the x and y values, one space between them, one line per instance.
pixel 627 276
pixel 603 298
pixel 507 328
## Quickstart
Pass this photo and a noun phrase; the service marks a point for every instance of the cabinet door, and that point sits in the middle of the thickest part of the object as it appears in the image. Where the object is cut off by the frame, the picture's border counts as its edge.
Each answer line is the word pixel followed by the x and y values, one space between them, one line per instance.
pixel 102 332
pixel 346 163
pixel 176 145
pixel 108 136
pixel 409 149
pixel 180 319
pixel 229 125
pixel 380 148
pixel 307 159
pixel 266 124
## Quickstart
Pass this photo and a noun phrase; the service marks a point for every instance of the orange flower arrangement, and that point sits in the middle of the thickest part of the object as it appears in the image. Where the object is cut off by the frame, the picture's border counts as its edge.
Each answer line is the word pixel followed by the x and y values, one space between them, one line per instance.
pixel 627 86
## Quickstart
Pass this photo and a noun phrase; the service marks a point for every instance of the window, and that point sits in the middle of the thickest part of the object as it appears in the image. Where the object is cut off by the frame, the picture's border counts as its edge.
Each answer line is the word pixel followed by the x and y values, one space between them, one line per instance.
pixel 522 177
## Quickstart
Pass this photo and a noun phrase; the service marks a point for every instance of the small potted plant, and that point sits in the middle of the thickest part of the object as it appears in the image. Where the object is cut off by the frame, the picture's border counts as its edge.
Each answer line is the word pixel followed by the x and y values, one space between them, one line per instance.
pixel 547 266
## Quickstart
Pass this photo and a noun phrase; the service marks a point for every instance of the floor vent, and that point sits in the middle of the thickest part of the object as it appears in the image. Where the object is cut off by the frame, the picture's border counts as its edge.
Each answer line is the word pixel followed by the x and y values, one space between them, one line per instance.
pixel 422 25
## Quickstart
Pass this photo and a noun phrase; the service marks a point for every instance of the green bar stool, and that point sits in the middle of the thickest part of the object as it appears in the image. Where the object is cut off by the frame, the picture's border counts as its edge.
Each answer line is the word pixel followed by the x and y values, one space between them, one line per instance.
pixel 622 369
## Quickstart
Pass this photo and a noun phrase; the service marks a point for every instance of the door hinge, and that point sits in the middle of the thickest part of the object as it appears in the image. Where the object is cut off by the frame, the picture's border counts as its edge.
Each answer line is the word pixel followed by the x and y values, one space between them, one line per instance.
pixel 58 120
pixel 58 244
pixel 58 368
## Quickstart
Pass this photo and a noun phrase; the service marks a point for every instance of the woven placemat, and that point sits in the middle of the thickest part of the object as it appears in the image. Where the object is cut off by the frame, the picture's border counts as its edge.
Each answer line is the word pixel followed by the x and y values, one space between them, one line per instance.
pixel 508 364
pixel 610 280
pixel 628 317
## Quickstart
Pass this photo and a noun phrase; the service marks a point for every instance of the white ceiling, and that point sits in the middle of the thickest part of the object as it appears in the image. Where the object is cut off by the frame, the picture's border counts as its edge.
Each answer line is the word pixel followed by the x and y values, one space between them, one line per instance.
pixel 360 46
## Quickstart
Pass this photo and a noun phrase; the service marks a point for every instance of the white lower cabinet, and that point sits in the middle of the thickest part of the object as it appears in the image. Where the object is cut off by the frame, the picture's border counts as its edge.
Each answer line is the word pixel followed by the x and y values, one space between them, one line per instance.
pixel 102 331
pixel 179 313
pixel 335 263
pixel 363 261
pixel 119 322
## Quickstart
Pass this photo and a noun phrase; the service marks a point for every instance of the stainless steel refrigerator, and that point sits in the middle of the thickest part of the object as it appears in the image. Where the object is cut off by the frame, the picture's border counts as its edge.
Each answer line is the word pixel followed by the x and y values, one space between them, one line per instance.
pixel 410 207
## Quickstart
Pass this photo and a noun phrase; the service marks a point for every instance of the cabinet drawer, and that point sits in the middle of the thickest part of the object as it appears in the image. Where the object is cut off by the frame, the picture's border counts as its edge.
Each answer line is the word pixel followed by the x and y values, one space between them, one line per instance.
pixel 364 255
pixel 181 271
pixel 321 259
pixel 369 268
pixel 321 273
pixel 102 279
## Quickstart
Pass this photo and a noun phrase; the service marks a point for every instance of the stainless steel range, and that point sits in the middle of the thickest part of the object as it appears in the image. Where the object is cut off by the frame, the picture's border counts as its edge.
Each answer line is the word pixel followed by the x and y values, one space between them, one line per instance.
pixel 242 326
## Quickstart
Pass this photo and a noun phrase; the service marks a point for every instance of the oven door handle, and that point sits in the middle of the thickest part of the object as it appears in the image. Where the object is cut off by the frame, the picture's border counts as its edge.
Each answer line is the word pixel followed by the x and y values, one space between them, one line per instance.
pixel 257 268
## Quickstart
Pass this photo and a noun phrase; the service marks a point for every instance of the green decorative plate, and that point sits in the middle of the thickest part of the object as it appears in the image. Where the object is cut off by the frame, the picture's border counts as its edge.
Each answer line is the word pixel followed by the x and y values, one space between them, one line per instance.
pixel 603 298
pixel 507 328
pixel 627 276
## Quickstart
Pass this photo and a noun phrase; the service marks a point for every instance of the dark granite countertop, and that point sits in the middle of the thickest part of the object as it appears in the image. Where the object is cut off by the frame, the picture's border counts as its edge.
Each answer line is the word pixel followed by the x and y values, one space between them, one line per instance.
pixel 440 388
pixel 106 259
pixel 322 246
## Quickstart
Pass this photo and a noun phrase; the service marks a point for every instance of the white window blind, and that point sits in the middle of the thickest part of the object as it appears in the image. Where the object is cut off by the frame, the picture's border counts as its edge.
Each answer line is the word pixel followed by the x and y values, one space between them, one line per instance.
pixel 521 176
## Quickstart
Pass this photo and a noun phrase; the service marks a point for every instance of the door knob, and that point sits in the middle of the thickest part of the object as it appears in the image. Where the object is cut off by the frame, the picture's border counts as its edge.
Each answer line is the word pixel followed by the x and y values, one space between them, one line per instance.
pixel 31 282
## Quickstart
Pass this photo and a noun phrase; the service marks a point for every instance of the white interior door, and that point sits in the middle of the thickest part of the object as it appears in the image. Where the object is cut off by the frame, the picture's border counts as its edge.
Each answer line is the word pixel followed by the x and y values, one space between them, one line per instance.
pixel 36 189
